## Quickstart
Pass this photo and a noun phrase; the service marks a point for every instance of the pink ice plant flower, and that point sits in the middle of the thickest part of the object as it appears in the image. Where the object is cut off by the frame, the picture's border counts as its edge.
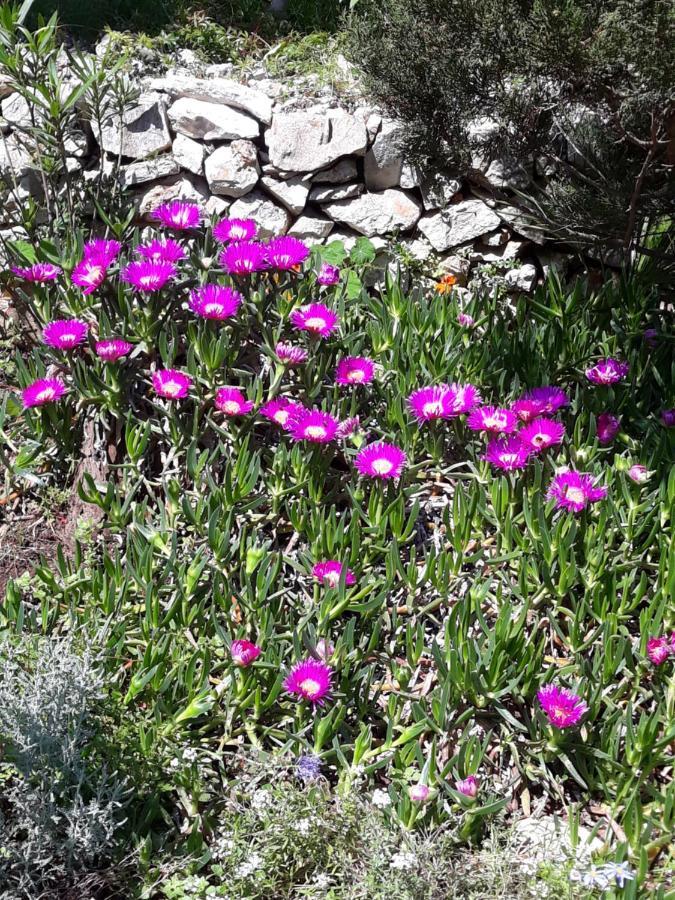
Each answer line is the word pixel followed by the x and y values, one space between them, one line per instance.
pixel 65 334
pixel 281 411
pixel 467 786
pixel 330 571
pixel 232 402
pixel 315 318
pixel 668 417
pixel 235 230
pixel 162 250
pixel 102 250
pixel 418 793
pixel 429 403
pixel 465 320
pixel 44 390
pixel 508 453
pixel 112 349
pixel 639 474
pixel 574 491
pixel 659 649
pixel 89 273
pixel 171 384
pixel 244 652
pixel 313 425
pixel 607 371
pixel 461 399
pixel 310 680
pixel 291 354
pixel 179 215
pixel 286 252
pixel 215 301
pixel 148 275
pixel 540 401
pixel 328 275
pixel 562 707
pixel 355 370
pixel 492 419
pixel 244 258
pixel 607 427
pixel 542 433
pixel 38 273
pixel 349 426
pixel 380 460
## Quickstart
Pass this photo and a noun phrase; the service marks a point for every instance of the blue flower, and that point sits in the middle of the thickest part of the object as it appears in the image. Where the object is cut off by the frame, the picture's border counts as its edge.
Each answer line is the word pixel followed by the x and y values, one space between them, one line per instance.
pixel 308 767
pixel 619 872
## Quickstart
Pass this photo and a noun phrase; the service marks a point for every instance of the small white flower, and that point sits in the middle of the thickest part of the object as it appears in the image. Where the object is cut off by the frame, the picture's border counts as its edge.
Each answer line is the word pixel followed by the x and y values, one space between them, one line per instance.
pixel 403 861
pixel 260 801
pixel 381 799
pixel 302 826
pixel 249 866
pixel 189 755
pixel 322 881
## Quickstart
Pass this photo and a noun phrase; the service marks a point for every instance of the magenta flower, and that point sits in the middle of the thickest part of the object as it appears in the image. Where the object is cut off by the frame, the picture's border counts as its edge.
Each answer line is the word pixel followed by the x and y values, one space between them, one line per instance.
pixel 89 273
pixel 607 371
pixel 286 252
pixel 244 258
pixel 38 273
pixel 607 427
pixel 329 573
pixel 429 403
pixel 328 275
pixel 44 390
pixel 668 417
pixel 562 708
pixel 171 384
pixel 492 419
pixel 461 399
pixel 310 680
pixel 103 251
pixel 162 250
pixel 540 401
pixel 659 649
pixel 178 215
pixel 508 453
pixel 232 402
pixel 213 301
pixel 244 652
pixel 112 349
pixel 465 320
pixel 355 370
pixel 574 491
pixel 542 433
pixel 418 793
pixel 313 425
pixel 65 334
pixel 349 426
pixel 468 786
pixel 315 318
pixel 380 460
pixel 528 410
pixel 324 649
pixel 281 411
pixel 148 275
pixel 290 354
pixel 235 230
pixel 639 474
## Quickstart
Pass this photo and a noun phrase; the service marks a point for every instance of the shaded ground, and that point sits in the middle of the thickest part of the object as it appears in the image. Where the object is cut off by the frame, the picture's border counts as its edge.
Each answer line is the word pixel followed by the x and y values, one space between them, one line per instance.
pixel 27 535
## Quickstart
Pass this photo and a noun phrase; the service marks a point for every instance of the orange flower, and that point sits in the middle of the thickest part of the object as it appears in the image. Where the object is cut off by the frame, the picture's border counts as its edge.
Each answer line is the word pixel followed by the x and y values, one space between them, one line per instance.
pixel 446 284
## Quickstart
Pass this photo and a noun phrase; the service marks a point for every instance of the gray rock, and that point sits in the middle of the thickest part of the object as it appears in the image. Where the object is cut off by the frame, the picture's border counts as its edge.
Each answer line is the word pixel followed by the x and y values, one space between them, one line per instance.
pixel 216 206
pixel 143 131
pixel 374 214
pixel 233 170
pixel 345 236
pixel 438 190
pixel 521 223
pixel 189 154
pixel 217 90
pixel 15 160
pixel 522 279
pixel 16 111
pixel 309 226
pixel 417 248
pixel 271 218
pixel 211 121
pixel 497 239
pixel 344 170
pixel 507 173
pixel 505 252
pixel 292 193
pixel 148 170
pixel 6 86
pixel 383 164
pixel 458 224
pixel 321 194
pixel 314 139
pixel 411 177
pixel 176 188
pixel 454 265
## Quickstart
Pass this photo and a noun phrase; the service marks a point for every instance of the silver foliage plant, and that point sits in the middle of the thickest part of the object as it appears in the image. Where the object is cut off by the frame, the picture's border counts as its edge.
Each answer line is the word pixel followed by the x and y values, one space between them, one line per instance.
pixel 58 815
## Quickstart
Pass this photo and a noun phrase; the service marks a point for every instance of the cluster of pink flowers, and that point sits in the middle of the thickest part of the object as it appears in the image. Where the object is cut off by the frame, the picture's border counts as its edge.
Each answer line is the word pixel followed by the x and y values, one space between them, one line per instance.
pixel 246 256
pixel 562 707
pixel 660 648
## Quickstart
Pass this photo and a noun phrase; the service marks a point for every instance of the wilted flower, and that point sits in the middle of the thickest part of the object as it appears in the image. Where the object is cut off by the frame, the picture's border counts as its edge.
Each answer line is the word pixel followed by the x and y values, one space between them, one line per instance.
pixel 214 301
pixel 44 390
pixel 328 275
pixel 171 384
pixel 65 334
pixel 39 273
pixel 607 371
pixel 232 402
pixel 349 426
pixel 244 652
pixel 465 320
pixel 607 427
pixel 329 573
pixel 668 417
pixel 492 419
pixel 112 349
pixel 418 793
pixel 281 411
pixel 508 453
pixel 639 473
pixel 164 250
pixel 355 370
pixel 291 354
pixel 89 274
pixel 315 318
pixel 468 786
pixel 658 650
pixel 148 275
pixel 103 250
pixel 380 460
pixel 310 680
pixel 313 425
pixel 286 252
pixel 574 490
pixel 235 230
pixel 542 433
pixel 429 403
pixel 178 215
pixel 244 258
pixel 562 707
pixel 308 767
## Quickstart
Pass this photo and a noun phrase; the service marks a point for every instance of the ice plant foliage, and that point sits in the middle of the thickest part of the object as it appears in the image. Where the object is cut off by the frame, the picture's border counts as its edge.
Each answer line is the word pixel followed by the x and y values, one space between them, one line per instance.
pixel 355 370
pixel 232 402
pixel 44 390
pixel 313 425
pixel 315 318
pixel 492 419
pixel 380 460
pixel 112 349
pixel 286 252
pixel 235 230
pixel 562 707
pixel 162 250
pixel 38 273
pixel 179 215
pixel 607 371
pixel 148 275
pixel 215 301
pixel 574 491
pixel 329 573
pixel 171 384
pixel 542 433
pixel 508 453
pixel 65 334
pixel 244 652
pixel 290 354
pixel 328 275
pixel 244 258
pixel 310 680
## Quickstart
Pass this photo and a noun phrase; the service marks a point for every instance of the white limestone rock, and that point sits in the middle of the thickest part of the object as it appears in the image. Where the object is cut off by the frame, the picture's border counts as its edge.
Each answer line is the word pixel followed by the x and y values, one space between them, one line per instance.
pixel 377 213
pixel 327 194
pixel 176 188
pixel 383 165
pixel 313 139
pixel 189 154
pixel 458 223
pixel 271 218
pixel 142 132
pixel 211 121
pixel 438 190
pixel 233 170
pixel 148 170
pixel 217 90
pixel 522 279
pixel 522 224
pixel 292 193
pixel 310 226
pixel 343 170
